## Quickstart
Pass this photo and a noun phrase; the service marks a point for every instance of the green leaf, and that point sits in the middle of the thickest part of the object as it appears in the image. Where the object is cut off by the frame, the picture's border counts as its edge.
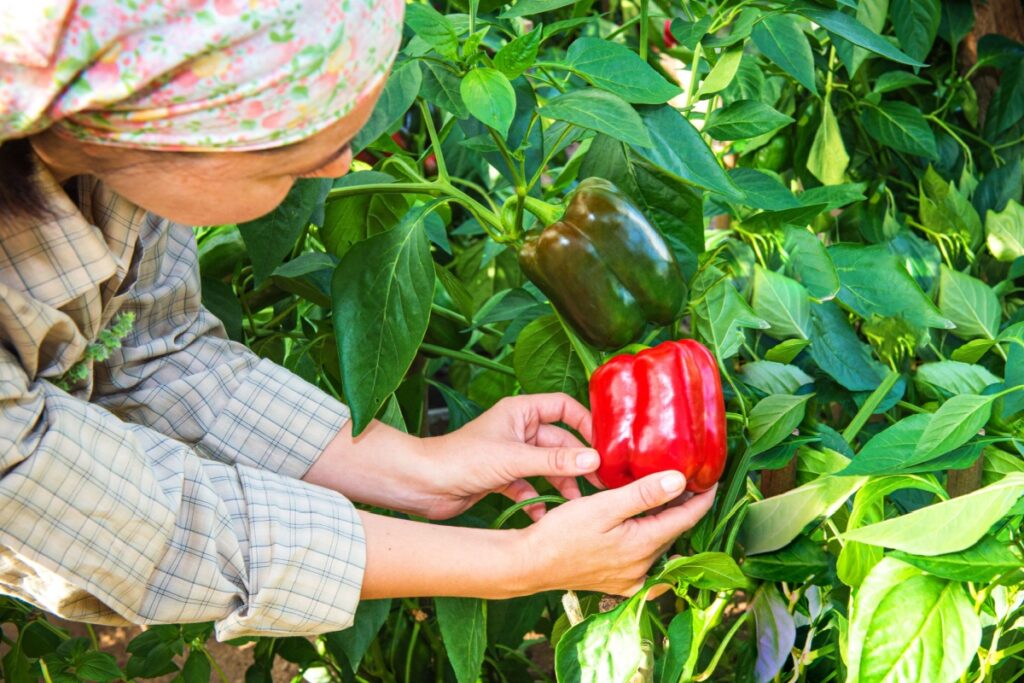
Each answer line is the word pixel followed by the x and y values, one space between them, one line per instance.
pixel 720 314
pixel 525 8
pixel 774 378
pixel 781 39
pixel 601 111
pixel 617 69
pixel 799 562
pixel 489 97
pixel 1005 232
pixel 972 351
pixel 984 562
pixel 953 377
pixel 270 238
pixel 398 95
pixel 745 119
pixel 892 449
pixel 689 33
pixel 678 147
pixel 840 353
pixel 783 302
pixel 775 630
pixel 603 648
pixel 833 196
pixel 969 303
pixel 857 33
pixel 874 282
pixel 463 623
pixel 722 72
pixel 774 522
pixel 945 210
pixel 896 80
pixel 101 666
pixel 827 160
pixel 197 668
pixel 909 626
pixel 764 190
pixel 443 88
pixel 857 559
pixel 710 571
pixel 946 527
pixel 354 641
pixel 785 352
pixel 545 361
pixel 773 419
pixel 382 291
pixel 901 126
pixel 808 262
pixel 916 23
pixel 956 422
pixel 432 26
pixel 680 645
pixel 519 54
pixel 1007 105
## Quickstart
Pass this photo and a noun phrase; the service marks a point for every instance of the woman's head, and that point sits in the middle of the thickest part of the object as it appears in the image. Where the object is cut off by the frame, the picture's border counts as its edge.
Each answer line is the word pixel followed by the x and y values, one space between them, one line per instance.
pixel 201 110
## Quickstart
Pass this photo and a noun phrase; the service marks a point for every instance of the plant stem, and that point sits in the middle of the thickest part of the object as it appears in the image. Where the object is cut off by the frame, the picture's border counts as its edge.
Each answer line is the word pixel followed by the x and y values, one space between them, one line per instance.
pixel 456 317
pixel 868 409
pixel 644 28
pixel 469 357
pixel 513 509
pixel 694 65
pixel 435 141
pixel 706 674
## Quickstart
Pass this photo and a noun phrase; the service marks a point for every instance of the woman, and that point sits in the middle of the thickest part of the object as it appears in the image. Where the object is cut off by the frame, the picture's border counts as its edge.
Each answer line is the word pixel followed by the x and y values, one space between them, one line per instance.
pixel 182 478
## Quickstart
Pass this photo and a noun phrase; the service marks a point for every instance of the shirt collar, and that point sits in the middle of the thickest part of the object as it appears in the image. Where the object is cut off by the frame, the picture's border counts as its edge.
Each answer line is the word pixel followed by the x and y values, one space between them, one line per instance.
pixel 57 256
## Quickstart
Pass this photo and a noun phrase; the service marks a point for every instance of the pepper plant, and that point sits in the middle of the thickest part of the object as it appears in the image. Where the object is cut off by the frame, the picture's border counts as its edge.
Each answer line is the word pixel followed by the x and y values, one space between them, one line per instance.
pixel 845 212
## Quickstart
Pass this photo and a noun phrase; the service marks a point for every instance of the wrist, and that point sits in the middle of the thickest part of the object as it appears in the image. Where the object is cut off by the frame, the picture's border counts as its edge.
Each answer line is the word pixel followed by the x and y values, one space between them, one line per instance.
pixel 383 466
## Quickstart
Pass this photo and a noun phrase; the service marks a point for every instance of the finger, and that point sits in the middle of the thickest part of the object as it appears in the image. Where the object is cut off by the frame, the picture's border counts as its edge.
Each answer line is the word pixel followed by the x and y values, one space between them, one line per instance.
pixel 551 408
pixel 673 521
pixel 641 495
pixel 522 460
pixel 567 486
pixel 657 591
pixel 521 490
pixel 550 436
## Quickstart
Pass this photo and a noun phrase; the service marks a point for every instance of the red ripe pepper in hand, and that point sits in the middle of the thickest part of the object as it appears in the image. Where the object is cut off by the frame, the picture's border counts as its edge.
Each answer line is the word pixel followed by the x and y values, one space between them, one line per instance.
pixel 661 409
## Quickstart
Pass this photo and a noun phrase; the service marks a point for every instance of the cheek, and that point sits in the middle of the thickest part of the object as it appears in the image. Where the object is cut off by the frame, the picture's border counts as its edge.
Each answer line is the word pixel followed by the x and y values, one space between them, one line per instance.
pixel 335 169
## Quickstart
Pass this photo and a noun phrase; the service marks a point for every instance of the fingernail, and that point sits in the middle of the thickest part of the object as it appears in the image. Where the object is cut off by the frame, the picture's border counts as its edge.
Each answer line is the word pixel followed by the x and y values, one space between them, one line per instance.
pixel 585 460
pixel 672 482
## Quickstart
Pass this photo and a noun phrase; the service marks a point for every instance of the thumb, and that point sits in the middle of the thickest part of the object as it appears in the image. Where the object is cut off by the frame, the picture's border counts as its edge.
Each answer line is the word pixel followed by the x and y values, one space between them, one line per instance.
pixel 557 461
pixel 644 494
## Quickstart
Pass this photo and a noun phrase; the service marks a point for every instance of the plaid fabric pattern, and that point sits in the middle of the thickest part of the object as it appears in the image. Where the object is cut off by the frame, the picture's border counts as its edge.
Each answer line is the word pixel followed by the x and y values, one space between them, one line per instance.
pixel 166 487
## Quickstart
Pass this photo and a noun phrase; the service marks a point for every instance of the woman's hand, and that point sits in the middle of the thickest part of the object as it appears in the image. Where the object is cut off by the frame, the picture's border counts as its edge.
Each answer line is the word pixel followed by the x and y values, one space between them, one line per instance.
pixel 440 477
pixel 517 438
pixel 598 543
pixel 594 543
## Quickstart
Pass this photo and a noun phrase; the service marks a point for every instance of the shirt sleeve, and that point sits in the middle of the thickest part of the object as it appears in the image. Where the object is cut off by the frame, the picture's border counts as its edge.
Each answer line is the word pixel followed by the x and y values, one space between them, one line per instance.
pixel 106 521
pixel 178 373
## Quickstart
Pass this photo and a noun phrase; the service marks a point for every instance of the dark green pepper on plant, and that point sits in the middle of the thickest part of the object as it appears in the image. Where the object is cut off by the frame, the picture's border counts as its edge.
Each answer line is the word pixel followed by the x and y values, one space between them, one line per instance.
pixel 605 268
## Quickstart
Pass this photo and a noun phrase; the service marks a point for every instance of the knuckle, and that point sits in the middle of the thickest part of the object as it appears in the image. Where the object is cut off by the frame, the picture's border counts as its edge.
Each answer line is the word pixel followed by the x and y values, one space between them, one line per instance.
pixel 647 496
pixel 558 459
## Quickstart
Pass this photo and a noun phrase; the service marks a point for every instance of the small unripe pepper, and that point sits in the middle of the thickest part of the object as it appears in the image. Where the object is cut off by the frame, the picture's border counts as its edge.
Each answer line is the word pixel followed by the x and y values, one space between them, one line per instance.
pixel 605 268
pixel 661 409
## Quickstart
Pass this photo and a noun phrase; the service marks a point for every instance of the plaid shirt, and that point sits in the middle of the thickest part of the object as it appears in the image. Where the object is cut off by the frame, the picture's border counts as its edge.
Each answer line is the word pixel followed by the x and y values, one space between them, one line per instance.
pixel 164 488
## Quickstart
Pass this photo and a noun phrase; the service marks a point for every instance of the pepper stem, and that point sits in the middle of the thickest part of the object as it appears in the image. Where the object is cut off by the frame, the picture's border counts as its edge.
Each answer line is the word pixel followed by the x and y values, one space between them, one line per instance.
pixel 545 213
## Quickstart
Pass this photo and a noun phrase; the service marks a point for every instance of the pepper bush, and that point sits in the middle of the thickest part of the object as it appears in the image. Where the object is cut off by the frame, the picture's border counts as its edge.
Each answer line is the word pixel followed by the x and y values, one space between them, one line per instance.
pixel 848 217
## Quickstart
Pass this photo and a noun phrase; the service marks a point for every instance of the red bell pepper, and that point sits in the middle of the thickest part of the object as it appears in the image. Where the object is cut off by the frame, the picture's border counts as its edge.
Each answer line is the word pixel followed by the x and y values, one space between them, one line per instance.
pixel 661 409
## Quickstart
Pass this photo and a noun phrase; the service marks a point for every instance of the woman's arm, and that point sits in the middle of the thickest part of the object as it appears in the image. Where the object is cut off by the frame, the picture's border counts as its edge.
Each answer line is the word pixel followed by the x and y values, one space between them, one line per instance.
pixel 177 373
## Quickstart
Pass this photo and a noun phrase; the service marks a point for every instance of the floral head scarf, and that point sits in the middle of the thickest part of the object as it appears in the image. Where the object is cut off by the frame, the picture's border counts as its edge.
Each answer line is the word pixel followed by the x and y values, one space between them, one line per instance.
pixel 208 75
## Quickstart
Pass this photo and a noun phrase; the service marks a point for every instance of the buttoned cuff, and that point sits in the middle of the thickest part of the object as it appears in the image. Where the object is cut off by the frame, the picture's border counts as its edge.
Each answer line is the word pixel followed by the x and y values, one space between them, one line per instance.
pixel 307 555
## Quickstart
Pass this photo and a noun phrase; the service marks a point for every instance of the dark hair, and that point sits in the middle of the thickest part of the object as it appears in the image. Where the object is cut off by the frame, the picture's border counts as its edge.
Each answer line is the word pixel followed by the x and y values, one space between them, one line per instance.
pixel 19 193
